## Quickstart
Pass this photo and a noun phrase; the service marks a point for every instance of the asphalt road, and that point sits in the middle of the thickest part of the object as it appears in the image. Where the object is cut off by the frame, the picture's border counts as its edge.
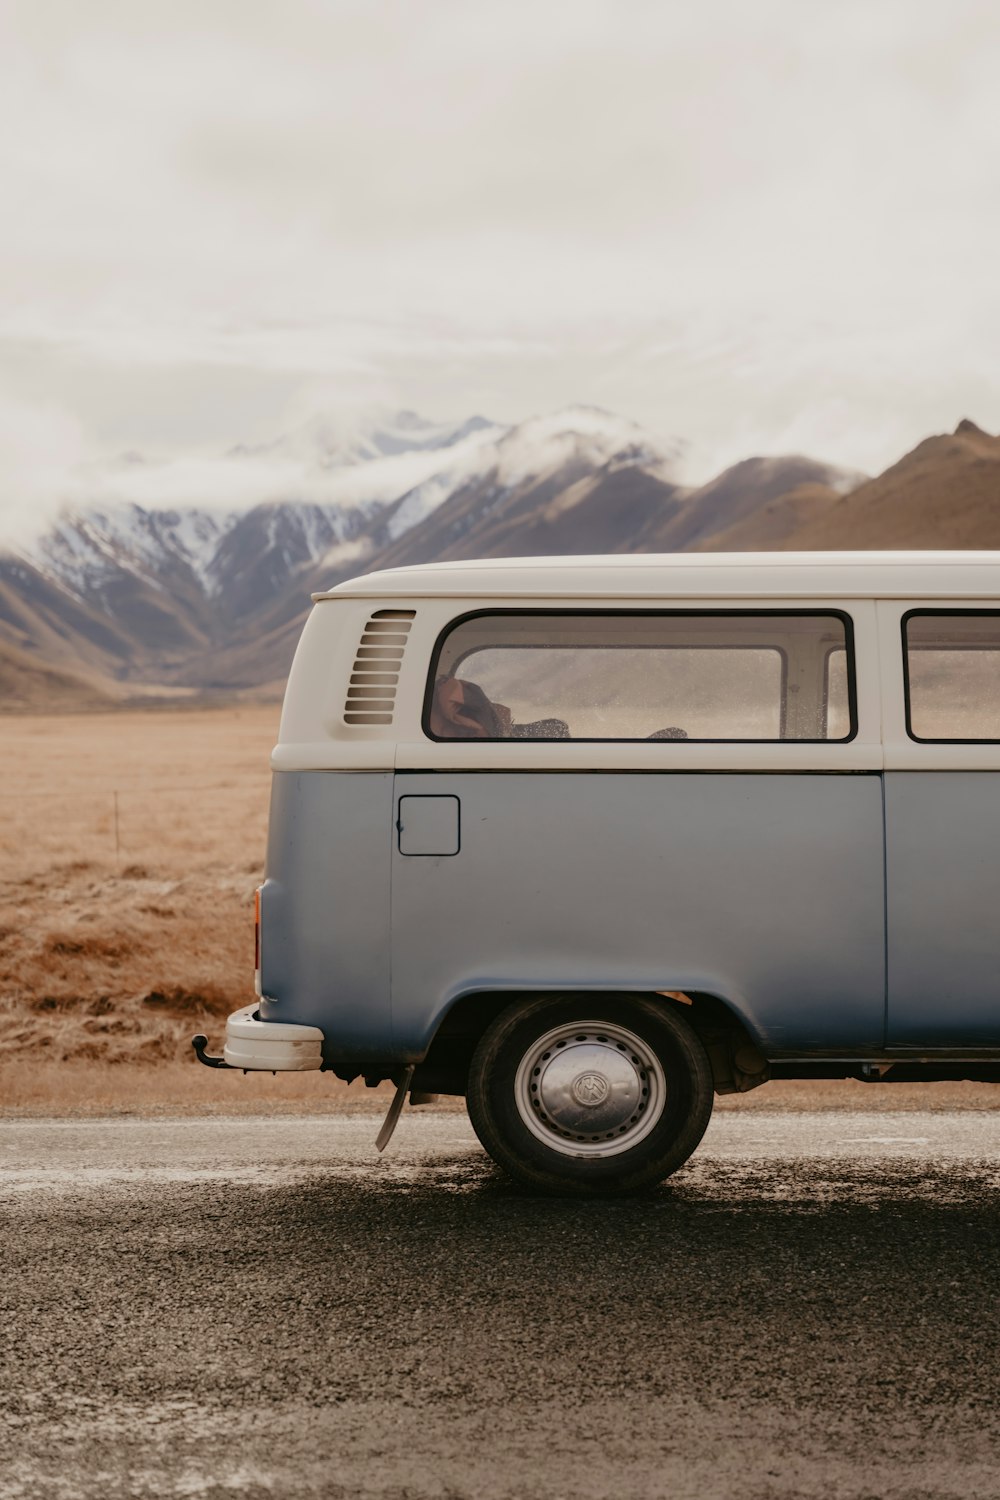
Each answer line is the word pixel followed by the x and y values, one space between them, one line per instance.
pixel 251 1307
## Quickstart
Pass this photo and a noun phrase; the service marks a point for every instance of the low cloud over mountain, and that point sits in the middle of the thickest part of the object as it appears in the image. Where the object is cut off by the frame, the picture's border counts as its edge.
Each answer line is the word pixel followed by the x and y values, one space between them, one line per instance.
pixel 159 594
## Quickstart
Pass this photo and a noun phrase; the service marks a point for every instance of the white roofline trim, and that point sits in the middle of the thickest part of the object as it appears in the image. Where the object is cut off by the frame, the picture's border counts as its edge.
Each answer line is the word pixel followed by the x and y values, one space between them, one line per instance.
pixel 898 575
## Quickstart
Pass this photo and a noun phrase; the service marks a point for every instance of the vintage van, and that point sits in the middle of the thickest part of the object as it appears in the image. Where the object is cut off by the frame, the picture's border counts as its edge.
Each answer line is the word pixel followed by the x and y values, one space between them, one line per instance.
pixel 589 840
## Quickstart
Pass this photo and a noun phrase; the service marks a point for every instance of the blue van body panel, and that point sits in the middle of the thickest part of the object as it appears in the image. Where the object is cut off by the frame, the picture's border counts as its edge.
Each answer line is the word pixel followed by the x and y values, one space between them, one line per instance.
pixel 943 869
pixel 325 908
pixel 766 890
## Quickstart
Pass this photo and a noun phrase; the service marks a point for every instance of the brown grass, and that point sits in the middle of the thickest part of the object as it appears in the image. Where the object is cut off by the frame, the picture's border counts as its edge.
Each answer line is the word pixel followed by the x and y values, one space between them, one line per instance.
pixel 117 943
pixel 130 846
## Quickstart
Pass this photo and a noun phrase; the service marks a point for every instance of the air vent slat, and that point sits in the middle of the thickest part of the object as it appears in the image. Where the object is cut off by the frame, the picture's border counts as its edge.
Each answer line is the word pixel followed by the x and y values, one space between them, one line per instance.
pixel 371 693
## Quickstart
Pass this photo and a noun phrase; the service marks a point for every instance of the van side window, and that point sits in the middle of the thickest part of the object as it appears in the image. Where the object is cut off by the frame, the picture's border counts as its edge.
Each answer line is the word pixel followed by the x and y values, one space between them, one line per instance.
pixel 952 665
pixel 643 675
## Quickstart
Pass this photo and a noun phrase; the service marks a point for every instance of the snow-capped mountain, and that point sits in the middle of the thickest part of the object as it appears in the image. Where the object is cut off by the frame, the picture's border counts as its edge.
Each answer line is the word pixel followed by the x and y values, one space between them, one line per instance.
pixel 338 442
pixel 196 572
pixel 85 548
pixel 221 534
pixel 577 480
pixel 263 551
pixel 323 496
pixel 579 437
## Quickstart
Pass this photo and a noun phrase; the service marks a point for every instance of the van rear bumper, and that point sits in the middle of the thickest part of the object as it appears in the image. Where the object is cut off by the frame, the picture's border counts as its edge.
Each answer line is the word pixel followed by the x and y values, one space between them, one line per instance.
pixel 271 1046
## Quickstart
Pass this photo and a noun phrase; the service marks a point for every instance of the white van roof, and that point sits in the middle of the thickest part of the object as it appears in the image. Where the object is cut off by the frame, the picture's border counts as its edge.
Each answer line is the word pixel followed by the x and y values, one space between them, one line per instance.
pixel 901 575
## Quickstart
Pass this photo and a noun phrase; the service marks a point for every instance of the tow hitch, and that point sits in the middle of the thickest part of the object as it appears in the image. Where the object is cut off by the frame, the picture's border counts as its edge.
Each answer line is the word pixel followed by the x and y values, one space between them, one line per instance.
pixel 200 1043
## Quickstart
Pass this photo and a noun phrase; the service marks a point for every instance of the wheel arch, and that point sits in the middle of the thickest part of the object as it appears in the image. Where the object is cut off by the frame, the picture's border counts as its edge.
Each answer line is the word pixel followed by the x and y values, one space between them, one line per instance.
pixel 737 1062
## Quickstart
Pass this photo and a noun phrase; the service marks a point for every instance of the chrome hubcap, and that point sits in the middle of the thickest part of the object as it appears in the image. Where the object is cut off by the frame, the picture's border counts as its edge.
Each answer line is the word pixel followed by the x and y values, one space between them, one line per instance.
pixel 590 1089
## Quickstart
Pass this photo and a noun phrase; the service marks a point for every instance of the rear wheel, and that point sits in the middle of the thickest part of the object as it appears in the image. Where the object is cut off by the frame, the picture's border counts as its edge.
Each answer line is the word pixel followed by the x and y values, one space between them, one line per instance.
pixel 590 1096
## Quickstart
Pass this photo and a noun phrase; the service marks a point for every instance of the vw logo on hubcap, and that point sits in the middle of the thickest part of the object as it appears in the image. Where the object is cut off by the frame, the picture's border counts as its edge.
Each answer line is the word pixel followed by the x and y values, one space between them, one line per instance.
pixel 590 1089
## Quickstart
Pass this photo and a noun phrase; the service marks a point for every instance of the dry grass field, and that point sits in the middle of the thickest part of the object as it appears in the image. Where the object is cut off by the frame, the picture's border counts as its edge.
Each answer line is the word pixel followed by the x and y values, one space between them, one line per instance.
pixel 130 846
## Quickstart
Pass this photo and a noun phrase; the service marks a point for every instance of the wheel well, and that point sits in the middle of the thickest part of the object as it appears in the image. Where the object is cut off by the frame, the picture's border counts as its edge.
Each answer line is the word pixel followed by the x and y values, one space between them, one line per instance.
pixel 737 1062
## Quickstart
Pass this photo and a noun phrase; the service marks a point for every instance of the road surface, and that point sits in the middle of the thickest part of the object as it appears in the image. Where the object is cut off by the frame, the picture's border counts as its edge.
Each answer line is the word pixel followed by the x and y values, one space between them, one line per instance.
pixel 221 1308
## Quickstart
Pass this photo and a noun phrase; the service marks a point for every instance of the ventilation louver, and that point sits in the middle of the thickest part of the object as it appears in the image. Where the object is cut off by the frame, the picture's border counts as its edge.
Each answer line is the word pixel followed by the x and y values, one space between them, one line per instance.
pixel 371 696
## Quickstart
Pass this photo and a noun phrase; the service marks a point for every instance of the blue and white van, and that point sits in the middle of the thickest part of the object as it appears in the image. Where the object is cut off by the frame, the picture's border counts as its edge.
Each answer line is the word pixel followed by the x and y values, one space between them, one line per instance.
pixel 590 840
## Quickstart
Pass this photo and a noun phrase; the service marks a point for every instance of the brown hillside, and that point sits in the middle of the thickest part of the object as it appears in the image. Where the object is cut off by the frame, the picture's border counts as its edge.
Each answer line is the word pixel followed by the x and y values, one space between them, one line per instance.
pixel 769 528
pixel 734 500
pixel 49 625
pixel 29 685
pixel 945 493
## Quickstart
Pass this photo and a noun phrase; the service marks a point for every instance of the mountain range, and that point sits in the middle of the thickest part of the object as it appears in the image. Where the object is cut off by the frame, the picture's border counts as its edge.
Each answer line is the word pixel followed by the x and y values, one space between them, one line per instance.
pixel 121 601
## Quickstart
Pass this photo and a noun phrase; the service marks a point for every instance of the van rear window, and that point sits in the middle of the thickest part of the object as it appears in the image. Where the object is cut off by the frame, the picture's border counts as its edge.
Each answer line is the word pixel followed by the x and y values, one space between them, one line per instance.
pixel 952 675
pixel 643 675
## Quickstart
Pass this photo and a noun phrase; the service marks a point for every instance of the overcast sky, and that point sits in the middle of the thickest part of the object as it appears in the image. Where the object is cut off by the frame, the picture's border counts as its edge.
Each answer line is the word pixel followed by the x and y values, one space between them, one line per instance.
pixel 754 225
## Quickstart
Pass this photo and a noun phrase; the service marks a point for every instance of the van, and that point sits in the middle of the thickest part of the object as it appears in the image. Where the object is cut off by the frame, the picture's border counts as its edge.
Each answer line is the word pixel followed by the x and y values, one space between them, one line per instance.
pixel 589 840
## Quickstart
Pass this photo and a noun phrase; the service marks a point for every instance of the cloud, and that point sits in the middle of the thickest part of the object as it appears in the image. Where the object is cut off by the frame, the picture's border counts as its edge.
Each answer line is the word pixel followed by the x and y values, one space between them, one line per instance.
pixel 238 481
pixel 717 218
pixel 46 467
pixel 42 450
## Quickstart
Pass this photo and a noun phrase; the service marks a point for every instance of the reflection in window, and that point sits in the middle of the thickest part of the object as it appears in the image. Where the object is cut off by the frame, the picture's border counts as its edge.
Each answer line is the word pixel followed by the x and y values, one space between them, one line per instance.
pixel 953 675
pixel 643 676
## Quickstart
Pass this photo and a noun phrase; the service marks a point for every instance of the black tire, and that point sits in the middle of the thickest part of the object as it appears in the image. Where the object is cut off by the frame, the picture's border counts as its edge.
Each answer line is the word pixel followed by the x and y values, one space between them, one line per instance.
pixel 663 1075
